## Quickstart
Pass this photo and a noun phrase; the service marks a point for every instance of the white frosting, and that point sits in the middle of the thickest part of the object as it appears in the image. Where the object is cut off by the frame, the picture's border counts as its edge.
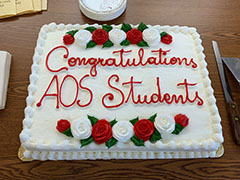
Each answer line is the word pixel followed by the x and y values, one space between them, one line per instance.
pixel 43 155
pixel 200 138
pixel 82 37
pixel 122 131
pixel 81 128
pixel 117 36
pixel 69 26
pixel 151 36
pixel 165 124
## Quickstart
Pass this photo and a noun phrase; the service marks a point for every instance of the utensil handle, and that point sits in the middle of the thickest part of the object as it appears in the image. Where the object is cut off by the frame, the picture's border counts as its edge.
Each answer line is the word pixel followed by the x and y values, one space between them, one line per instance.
pixel 234 117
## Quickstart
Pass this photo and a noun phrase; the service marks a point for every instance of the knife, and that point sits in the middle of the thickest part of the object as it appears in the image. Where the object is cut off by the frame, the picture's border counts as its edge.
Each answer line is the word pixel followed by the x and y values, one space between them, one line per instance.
pixel 233 65
pixel 232 109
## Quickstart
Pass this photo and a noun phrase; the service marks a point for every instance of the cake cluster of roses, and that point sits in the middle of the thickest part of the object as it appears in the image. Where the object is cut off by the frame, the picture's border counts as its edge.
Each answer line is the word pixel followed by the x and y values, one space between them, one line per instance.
pixel 138 131
pixel 107 36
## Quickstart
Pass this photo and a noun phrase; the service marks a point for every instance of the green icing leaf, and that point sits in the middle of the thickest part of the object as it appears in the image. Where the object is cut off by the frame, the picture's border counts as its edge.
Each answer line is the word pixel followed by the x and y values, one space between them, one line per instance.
pixel 91 44
pixel 111 142
pixel 113 122
pixel 137 141
pixel 87 141
pixel 163 34
pixel 143 44
pixel 90 28
pixel 106 27
pixel 155 136
pixel 126 27
pixel 142 26
pixel 93 119
pixel 178 129
pixel 107 44
pixel 133 121
pixel 152 118
pixel 68 132
pixel 73 32
pixel 125 42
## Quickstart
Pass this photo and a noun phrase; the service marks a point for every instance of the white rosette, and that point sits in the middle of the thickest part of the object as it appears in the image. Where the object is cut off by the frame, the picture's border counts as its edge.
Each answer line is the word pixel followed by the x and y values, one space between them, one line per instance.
pixel 165 124
pixel 81 128
pixel 82 37
pixel 117 36
pixel 122 131
pixel 151 36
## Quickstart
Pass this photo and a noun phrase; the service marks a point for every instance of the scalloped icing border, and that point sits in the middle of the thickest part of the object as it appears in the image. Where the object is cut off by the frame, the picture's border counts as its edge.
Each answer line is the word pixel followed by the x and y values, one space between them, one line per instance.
pixel 25 155
pixel 209 146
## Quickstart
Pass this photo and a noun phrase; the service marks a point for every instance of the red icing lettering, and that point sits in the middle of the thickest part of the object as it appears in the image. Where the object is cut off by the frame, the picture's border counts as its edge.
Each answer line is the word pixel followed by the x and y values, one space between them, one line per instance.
pixel 151 60
pixel 121 62
pixel 60 95
pixel 194 65
pixel 110 96
pixel 159 97
pixel 186 84
pixel 173 60
pixel 121 57
pixel 72 61
pixel 87 89
pixel 65 56
pixel 55 77
pixel 158 58
pixel 131 91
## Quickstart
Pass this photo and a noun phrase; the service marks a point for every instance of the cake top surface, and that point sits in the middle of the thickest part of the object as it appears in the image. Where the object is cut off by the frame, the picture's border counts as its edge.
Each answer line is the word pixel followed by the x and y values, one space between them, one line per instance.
pixel 110 79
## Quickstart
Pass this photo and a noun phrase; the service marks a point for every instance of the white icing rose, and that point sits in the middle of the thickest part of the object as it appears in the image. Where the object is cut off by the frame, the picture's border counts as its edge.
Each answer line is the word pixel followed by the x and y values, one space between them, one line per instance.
pixel 81 128
pixel 117 36
pixel 151 36
pixel 82 37
pixel 165 124
pixel 122 131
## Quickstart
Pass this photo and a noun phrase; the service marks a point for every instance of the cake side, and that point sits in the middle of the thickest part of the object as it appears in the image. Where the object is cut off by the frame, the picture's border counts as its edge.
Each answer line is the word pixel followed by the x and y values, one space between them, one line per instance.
pixel 185 147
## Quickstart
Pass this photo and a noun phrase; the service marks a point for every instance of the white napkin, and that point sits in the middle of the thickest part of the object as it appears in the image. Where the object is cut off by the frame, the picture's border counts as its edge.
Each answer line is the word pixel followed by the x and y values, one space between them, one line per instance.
pixel 5 62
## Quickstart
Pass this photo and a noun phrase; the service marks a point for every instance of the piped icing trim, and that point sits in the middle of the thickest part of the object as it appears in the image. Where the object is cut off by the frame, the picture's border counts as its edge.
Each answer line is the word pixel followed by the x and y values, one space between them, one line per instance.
pixel 102 131
pixel 108 36
pixel 209 146
pixel 91 155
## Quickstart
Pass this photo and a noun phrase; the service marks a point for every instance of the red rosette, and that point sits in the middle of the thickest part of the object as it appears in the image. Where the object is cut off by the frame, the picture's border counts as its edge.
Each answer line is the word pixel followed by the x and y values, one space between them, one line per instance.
pixel 100 36
pixel 167 39
pixel 68 39
pixel 63 125
pixel 134 36
pixel 102 131
pixel 143 129
pixel 181 119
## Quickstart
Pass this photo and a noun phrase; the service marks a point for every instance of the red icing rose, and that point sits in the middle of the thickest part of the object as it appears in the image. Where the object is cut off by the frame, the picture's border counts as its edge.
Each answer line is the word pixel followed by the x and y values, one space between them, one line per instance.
pixel 68 39
pixel 143 129
pixel 181 119
pixel 63 125
pixel 100 36
pixel 102 131
pixel 167 39
pixel 134 36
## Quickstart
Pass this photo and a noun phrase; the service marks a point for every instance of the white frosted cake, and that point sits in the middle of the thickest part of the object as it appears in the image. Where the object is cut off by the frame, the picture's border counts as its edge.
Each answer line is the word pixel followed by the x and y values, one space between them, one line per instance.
pixel 119 92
